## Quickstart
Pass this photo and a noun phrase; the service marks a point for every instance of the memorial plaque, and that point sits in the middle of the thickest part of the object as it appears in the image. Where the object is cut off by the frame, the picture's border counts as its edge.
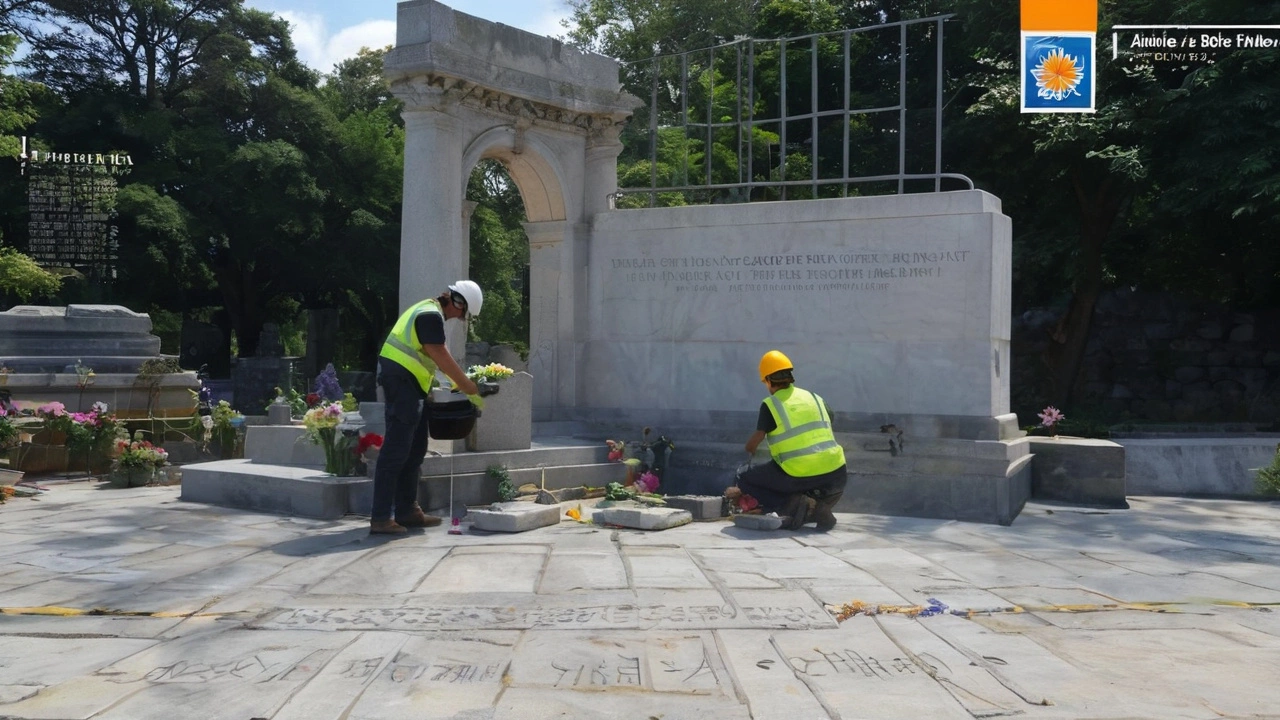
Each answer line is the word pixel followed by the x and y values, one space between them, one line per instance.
pixel 71 202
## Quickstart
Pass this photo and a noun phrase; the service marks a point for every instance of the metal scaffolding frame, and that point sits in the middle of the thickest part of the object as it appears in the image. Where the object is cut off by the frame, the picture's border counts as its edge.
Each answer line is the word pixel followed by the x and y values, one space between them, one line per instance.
pixel 743 130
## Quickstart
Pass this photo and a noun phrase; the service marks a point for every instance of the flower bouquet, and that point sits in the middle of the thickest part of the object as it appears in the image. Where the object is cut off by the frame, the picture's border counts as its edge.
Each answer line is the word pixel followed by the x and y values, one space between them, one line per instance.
pixel 137 462
pixel 491 373
pixel 340 448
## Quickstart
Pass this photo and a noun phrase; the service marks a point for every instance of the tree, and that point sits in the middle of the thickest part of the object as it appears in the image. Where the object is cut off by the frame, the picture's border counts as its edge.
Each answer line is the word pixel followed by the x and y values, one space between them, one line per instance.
pixel 22 278
pixel 499 255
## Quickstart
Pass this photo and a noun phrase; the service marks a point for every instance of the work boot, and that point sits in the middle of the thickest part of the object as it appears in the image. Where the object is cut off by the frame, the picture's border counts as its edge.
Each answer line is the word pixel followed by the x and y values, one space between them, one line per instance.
pixel 416 518
pixel 823 514
pixel 386 527
pixel 798 511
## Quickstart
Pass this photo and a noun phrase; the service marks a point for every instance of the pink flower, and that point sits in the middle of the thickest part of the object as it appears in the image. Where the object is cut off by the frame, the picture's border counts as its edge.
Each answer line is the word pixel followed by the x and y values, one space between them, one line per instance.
pixel 56 409
pixel 647 483
pixel 1051 416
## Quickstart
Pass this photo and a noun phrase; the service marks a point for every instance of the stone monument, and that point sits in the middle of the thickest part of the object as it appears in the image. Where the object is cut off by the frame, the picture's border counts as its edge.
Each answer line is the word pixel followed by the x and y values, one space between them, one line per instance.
pixel 41 347
pixel 895 309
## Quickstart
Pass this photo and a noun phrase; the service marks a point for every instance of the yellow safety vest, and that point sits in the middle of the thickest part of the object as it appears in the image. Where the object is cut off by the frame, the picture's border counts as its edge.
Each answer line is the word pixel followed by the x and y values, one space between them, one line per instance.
pixel 402 344
pixel 802 443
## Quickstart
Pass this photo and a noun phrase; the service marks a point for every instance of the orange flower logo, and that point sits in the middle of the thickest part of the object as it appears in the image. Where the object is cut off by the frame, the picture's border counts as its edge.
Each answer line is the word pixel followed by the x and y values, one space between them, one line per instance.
pixel 1058 75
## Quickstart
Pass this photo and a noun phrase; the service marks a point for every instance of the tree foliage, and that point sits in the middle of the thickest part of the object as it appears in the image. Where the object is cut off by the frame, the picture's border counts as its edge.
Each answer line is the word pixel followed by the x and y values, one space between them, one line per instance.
pixel 1173 184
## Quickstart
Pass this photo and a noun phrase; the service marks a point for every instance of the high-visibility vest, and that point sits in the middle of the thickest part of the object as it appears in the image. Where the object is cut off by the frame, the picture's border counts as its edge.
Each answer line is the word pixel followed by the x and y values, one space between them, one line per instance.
pixel 802 443
pixel 402 344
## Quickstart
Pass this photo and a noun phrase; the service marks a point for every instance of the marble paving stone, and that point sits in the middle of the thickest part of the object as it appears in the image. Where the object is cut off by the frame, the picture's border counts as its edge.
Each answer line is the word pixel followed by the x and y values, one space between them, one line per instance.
pixel 500 570
pixel 865 674
pixel 737 580
pixel 871 594
pixel 783 609
pixel 570 571
pixel 779 563
pixel 48 661
pixel 436 678
pixel 1178 657
pixel 264 669
pixel 392 570
pixel 305 572
pixel 685 663
pixel 1026 668
pixel 623 704
pixel 339 685
pixel 69 592
pixel 663 568
pixel 772 689
pixel 971 686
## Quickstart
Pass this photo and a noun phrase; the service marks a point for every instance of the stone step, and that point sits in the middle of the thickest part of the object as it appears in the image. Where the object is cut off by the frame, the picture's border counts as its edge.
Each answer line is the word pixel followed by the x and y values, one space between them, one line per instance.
pixel 480 489
pixel 544 452
pixel 243 484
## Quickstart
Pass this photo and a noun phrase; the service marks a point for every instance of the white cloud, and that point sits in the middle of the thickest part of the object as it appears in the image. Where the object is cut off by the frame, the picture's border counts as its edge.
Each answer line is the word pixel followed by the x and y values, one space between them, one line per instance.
pixel 321 50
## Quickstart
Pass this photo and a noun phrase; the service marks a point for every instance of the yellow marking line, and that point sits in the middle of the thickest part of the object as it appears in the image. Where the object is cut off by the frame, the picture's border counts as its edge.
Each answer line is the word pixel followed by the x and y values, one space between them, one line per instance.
pixel 56 611
pixel 847 610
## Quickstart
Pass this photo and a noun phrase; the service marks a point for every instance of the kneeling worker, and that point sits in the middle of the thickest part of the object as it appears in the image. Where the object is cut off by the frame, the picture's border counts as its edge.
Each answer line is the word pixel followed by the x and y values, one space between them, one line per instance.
pixel 806 477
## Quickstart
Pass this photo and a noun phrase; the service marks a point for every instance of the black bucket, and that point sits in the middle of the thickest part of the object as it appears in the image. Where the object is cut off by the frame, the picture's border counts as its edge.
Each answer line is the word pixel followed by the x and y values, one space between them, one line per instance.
pixel 452 420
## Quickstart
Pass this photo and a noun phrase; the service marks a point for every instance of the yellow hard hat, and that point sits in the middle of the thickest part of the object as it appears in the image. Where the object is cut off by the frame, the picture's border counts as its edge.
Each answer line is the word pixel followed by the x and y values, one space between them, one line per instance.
pixel 772 362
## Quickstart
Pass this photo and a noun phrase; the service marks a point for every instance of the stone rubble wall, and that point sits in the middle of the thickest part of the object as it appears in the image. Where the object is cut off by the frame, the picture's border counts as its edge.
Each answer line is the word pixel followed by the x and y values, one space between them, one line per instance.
pixel 1160 358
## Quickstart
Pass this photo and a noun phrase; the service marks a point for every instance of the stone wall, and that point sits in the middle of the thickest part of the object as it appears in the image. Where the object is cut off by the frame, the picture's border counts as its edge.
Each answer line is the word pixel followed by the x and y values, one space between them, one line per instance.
pixel 1157 357
pixel 894 308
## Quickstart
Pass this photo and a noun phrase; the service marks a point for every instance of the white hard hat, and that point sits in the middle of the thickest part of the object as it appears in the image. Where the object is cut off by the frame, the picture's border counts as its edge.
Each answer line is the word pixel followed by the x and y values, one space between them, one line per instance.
pixel 471 293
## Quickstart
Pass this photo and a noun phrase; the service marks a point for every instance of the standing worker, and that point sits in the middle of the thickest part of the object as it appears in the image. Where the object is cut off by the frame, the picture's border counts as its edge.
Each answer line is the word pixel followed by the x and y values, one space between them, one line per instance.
pixel 806 477
pixel 408 362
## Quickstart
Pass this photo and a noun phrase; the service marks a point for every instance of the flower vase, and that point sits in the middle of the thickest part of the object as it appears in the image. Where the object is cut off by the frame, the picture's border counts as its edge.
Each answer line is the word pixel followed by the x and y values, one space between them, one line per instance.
pixel 127 477
pixel 339 459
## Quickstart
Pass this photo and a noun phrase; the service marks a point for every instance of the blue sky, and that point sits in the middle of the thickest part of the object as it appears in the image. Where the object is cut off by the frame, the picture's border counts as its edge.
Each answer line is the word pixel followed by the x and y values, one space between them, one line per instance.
pixel 327 31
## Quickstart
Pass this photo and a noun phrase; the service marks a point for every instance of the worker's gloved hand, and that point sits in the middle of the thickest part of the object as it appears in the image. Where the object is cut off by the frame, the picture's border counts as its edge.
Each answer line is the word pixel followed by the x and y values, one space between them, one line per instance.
pixel 477 401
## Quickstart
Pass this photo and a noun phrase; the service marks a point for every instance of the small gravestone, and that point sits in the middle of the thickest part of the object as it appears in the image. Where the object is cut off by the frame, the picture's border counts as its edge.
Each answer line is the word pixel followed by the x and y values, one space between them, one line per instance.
pixel 702 507
pixel 515 517
pixel 642 518
pixel 758 522
pixel 278 413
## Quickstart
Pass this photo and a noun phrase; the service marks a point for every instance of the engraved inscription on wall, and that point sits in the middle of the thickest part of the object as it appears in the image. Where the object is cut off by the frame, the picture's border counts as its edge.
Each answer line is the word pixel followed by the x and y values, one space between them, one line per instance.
pixel 801 272
pixel 70 210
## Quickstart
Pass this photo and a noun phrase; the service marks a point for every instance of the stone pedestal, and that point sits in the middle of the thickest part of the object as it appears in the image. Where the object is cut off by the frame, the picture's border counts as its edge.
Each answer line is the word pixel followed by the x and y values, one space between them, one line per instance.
pixel 507 420
pixel 278 413
pixel 1082 471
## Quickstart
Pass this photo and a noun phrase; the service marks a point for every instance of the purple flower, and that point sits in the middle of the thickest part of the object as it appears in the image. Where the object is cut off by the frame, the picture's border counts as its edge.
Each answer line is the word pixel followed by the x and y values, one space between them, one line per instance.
pixel 327 385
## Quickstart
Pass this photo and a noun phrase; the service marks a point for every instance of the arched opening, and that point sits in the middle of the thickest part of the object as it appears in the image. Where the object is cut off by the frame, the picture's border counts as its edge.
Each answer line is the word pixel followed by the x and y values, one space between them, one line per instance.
pixel 499 256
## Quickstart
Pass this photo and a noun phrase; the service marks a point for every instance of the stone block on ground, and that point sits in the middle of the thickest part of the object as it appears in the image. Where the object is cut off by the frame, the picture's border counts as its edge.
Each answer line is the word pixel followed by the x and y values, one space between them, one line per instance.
pixel 758 522
pixel 642 518
pixel 702 507
pixel 1083 471
pixel 515 517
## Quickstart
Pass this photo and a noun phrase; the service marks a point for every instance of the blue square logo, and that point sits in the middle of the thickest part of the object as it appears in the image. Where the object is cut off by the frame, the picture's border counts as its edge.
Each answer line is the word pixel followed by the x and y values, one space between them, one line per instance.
pixel 1058 73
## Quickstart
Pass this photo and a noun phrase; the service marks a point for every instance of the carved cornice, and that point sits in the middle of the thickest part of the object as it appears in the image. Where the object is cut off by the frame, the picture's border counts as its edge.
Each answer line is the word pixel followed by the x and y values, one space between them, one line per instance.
pixel 437 93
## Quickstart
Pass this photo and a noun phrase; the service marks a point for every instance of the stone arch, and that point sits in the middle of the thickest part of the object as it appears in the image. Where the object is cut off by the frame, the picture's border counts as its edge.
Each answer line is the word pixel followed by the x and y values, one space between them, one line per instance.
pixel 474 89
pixel 531 165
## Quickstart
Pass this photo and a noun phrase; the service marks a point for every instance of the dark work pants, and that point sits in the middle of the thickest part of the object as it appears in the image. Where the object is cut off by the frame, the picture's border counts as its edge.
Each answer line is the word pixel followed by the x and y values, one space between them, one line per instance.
pixel 773 487
pixel 395 480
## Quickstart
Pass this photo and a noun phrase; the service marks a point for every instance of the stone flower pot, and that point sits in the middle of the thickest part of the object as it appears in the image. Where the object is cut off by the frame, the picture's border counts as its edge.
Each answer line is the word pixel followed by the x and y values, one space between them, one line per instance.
pixel 127 477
